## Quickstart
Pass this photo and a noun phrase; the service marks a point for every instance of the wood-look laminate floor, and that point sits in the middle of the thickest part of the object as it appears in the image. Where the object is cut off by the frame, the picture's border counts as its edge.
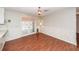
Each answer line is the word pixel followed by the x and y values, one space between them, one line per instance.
pixel 38 42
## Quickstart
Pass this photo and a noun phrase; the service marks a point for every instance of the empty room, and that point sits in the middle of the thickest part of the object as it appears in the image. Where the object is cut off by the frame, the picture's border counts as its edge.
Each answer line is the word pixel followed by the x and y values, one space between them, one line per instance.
pixel 38 29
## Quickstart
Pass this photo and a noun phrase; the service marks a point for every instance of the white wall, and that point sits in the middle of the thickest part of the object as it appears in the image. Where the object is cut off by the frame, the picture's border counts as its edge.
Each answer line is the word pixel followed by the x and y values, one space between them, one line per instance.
pixel 14 27
pixel 62 25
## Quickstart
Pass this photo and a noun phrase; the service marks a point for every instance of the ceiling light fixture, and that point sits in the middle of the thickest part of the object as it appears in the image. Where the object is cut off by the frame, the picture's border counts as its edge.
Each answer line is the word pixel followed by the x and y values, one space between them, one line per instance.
pixel 39 11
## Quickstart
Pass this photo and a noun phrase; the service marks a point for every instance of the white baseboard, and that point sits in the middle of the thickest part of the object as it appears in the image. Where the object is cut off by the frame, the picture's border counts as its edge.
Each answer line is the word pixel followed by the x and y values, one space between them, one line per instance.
pixel 19 36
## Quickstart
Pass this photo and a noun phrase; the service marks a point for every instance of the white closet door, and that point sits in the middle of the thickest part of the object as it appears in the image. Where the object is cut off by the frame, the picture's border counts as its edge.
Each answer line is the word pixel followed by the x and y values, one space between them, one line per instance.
pixel 1 15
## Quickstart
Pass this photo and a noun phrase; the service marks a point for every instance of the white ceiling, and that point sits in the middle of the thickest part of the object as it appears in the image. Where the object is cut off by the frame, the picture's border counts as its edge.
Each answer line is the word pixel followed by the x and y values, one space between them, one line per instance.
pixel 33 10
